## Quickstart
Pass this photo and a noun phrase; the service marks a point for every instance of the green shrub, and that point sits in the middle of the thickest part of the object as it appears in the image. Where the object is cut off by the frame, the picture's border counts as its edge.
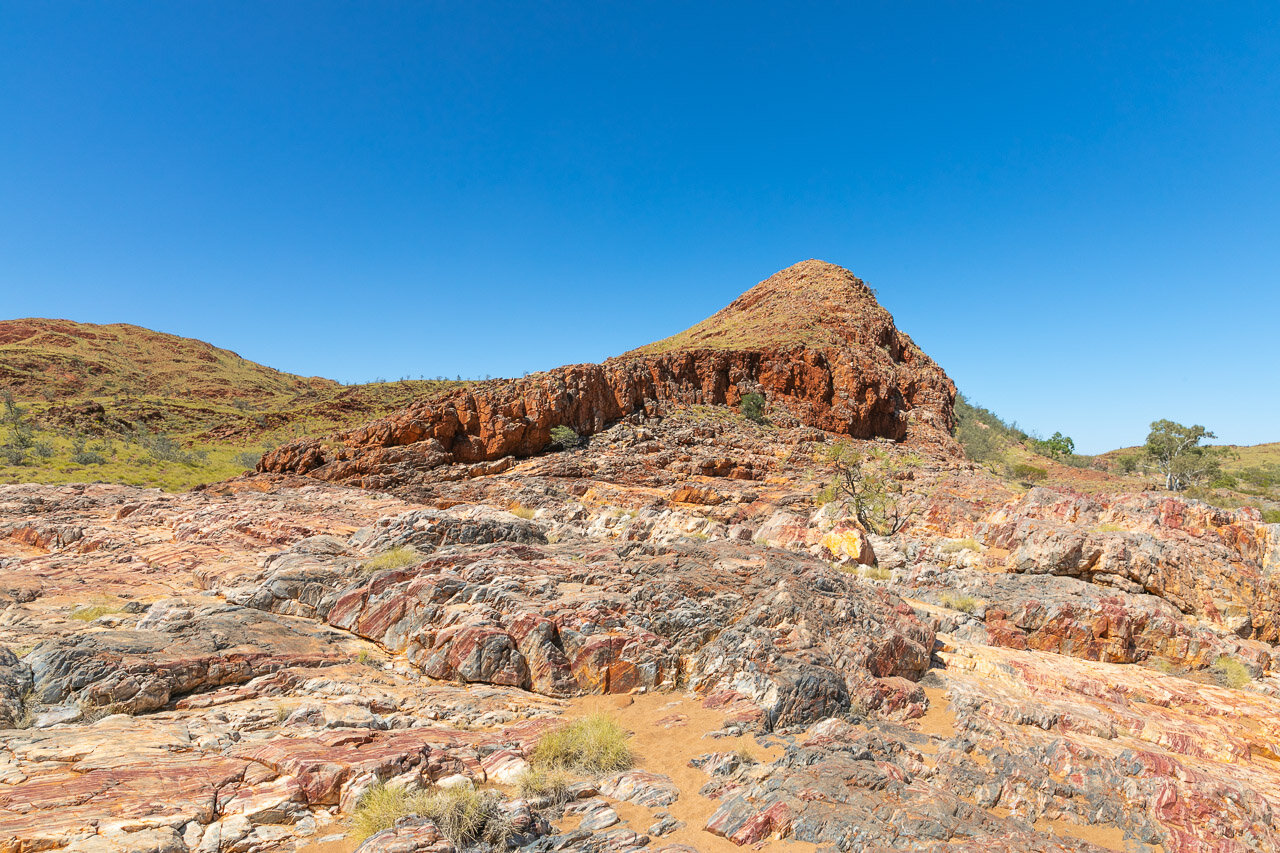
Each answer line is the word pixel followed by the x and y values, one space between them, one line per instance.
pixel 869 484
pixel 1128 463
pixel 1025 473
pixel 752 407
pixel 982 434
pixel 1055 446
pixel 1261 476
pixel 396 558
pixel 1271 516
pixel 163 448
pixel 565 437
pixel 247 459
pixel 592 744
pixel 1231 672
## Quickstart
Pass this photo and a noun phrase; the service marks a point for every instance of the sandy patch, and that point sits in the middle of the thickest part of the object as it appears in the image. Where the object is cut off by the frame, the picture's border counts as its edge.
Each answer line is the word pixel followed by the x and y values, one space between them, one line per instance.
pixel 664 743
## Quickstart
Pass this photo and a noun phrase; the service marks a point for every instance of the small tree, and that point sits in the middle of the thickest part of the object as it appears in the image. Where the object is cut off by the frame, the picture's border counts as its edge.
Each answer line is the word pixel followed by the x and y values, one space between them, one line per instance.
pixel 1175 451
pixel 21 435
pixel 565 437
pixel 752 407
pixel 869 483
pixel 1129 462
pixel 1057 446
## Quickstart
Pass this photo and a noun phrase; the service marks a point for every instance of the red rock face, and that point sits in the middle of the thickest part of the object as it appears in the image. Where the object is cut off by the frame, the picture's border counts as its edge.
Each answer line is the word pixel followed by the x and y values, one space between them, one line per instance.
pixel 844 370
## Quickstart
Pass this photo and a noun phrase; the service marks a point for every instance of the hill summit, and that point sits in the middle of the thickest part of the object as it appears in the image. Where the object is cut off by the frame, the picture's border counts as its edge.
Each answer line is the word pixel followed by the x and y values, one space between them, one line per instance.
pixel 810 304
pixel 811 340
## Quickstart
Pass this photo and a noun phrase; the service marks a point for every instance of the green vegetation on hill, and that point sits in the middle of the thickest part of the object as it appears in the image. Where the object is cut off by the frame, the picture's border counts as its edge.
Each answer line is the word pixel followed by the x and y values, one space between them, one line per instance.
pixel 1007 450
pixel 174 443
pixel 1228 477
pixel 59 359
pixel 984 436
pixel 124 404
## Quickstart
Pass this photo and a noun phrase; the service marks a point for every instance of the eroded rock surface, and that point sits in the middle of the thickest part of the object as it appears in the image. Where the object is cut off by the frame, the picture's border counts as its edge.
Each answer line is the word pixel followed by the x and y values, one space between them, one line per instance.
pixel 233 669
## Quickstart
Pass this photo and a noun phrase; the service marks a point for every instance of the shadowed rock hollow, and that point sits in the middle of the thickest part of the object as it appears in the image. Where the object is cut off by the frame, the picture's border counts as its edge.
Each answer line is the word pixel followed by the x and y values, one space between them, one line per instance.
pixel 811 339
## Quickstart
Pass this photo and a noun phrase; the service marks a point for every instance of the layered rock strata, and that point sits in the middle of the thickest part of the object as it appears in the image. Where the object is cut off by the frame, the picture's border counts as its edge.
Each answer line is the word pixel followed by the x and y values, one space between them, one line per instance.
pixel 811 340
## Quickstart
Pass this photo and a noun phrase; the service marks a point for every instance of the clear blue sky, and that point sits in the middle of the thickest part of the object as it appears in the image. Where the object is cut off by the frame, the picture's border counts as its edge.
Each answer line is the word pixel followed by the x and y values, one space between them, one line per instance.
pixel 1075 210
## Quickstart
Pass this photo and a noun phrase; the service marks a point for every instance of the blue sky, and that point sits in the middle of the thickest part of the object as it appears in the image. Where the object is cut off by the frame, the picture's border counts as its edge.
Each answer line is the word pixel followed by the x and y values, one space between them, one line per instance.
pixel 1075 209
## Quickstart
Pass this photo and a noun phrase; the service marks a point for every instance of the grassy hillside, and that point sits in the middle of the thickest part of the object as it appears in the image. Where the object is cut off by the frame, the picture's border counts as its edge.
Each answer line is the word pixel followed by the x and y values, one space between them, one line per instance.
pixel 121 403
pixel 60 359
pixel 810 303
pixel 1250 475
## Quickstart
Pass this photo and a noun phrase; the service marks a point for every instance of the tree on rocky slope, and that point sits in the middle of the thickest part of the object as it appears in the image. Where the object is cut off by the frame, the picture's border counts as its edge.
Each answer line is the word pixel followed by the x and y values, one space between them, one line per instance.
pixel 871 484
pixel 1176 452
pixel 20 435
pixel 1056 446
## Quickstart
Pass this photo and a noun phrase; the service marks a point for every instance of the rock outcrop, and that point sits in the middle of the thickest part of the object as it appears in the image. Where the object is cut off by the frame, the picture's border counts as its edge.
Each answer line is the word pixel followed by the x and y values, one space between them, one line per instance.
pixel 811 339
pixel 235 668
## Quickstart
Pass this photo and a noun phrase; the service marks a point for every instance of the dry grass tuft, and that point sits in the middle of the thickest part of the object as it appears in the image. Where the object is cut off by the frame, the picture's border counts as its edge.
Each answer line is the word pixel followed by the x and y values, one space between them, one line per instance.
pixel 1231 672
pixel 550 782
pixel 462 814
pixel 396 558
pixel 522 511
pixel 592 744
pixel 954 546
pixel 90 612
pixel 963 603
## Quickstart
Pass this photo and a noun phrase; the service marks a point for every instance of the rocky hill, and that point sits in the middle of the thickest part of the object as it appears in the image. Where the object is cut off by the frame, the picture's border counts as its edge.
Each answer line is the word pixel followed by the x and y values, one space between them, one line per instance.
pixel 285 662
pixel 812 340
pixel 125 404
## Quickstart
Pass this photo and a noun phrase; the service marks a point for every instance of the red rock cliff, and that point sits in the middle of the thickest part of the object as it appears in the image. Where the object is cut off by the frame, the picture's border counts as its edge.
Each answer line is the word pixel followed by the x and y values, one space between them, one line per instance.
pixel 812 339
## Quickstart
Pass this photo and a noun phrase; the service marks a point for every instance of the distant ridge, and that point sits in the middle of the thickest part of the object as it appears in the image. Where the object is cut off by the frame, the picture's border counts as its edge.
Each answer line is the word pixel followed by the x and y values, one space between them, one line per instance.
pixel 58 359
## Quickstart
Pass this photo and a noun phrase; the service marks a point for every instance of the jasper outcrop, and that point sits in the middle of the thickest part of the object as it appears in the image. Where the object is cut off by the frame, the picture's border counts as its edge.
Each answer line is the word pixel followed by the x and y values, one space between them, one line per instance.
pixel 851 372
